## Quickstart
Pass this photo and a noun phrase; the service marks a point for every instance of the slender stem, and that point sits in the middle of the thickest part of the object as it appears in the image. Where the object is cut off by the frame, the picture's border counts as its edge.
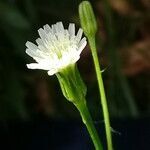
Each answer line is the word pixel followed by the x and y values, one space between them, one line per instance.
pixel 102 93
pixel 87 120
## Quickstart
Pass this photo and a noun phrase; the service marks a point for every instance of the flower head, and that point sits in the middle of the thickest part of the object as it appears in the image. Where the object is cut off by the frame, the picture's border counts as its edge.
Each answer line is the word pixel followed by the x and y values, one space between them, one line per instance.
pixel 57 48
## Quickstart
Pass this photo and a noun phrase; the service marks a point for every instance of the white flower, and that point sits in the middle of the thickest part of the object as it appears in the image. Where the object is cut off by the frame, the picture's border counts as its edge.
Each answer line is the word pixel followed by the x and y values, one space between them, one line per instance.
pixel 56 48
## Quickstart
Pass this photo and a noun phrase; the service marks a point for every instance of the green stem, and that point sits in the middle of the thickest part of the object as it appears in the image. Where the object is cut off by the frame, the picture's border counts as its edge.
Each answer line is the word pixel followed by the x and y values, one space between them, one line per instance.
pixel 102 93
pixel 87 120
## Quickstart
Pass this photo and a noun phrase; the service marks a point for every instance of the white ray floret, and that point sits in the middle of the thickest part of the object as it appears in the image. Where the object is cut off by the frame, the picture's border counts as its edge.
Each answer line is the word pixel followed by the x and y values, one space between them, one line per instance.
pixel 56 48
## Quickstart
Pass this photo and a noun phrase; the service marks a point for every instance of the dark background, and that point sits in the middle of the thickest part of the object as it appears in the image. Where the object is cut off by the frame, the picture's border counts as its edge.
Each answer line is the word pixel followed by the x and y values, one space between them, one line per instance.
pixel 33 112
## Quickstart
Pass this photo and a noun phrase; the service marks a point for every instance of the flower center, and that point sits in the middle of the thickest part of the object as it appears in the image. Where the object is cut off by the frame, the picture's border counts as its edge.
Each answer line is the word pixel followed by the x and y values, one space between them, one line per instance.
pixel 62 47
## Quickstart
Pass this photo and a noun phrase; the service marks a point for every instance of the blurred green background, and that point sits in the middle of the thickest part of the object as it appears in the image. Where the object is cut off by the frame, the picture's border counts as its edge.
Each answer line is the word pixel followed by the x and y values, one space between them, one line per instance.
pixel 123 42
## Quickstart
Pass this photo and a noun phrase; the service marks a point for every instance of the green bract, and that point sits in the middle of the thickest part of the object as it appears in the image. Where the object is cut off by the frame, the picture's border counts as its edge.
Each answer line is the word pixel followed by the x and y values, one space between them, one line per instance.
pixel 87 19
pixel 71 83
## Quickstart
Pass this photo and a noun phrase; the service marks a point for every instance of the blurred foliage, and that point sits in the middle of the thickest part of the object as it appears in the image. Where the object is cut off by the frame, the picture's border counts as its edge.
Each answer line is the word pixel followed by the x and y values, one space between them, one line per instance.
pixel 123 41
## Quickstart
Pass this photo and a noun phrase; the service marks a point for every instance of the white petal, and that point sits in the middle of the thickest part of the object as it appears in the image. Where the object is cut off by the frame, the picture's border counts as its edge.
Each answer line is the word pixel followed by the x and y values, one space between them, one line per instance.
pixel 81 42
pixel 75 59
pixel 79 35
pixel 71 29
pixel 47 28
pixel 42 34
pixel 32 53
pixel 51 37
pixel 60 31
pixel 53 29
pixel 31 46
pixel 82 45
pixel 60 27
pixel 37 66
pixel 39 42
pixel 52 72
pixel 43 49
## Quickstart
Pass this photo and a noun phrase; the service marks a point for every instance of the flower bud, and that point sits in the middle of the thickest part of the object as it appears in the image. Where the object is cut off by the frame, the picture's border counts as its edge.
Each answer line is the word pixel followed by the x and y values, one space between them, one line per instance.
pixel 87 19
